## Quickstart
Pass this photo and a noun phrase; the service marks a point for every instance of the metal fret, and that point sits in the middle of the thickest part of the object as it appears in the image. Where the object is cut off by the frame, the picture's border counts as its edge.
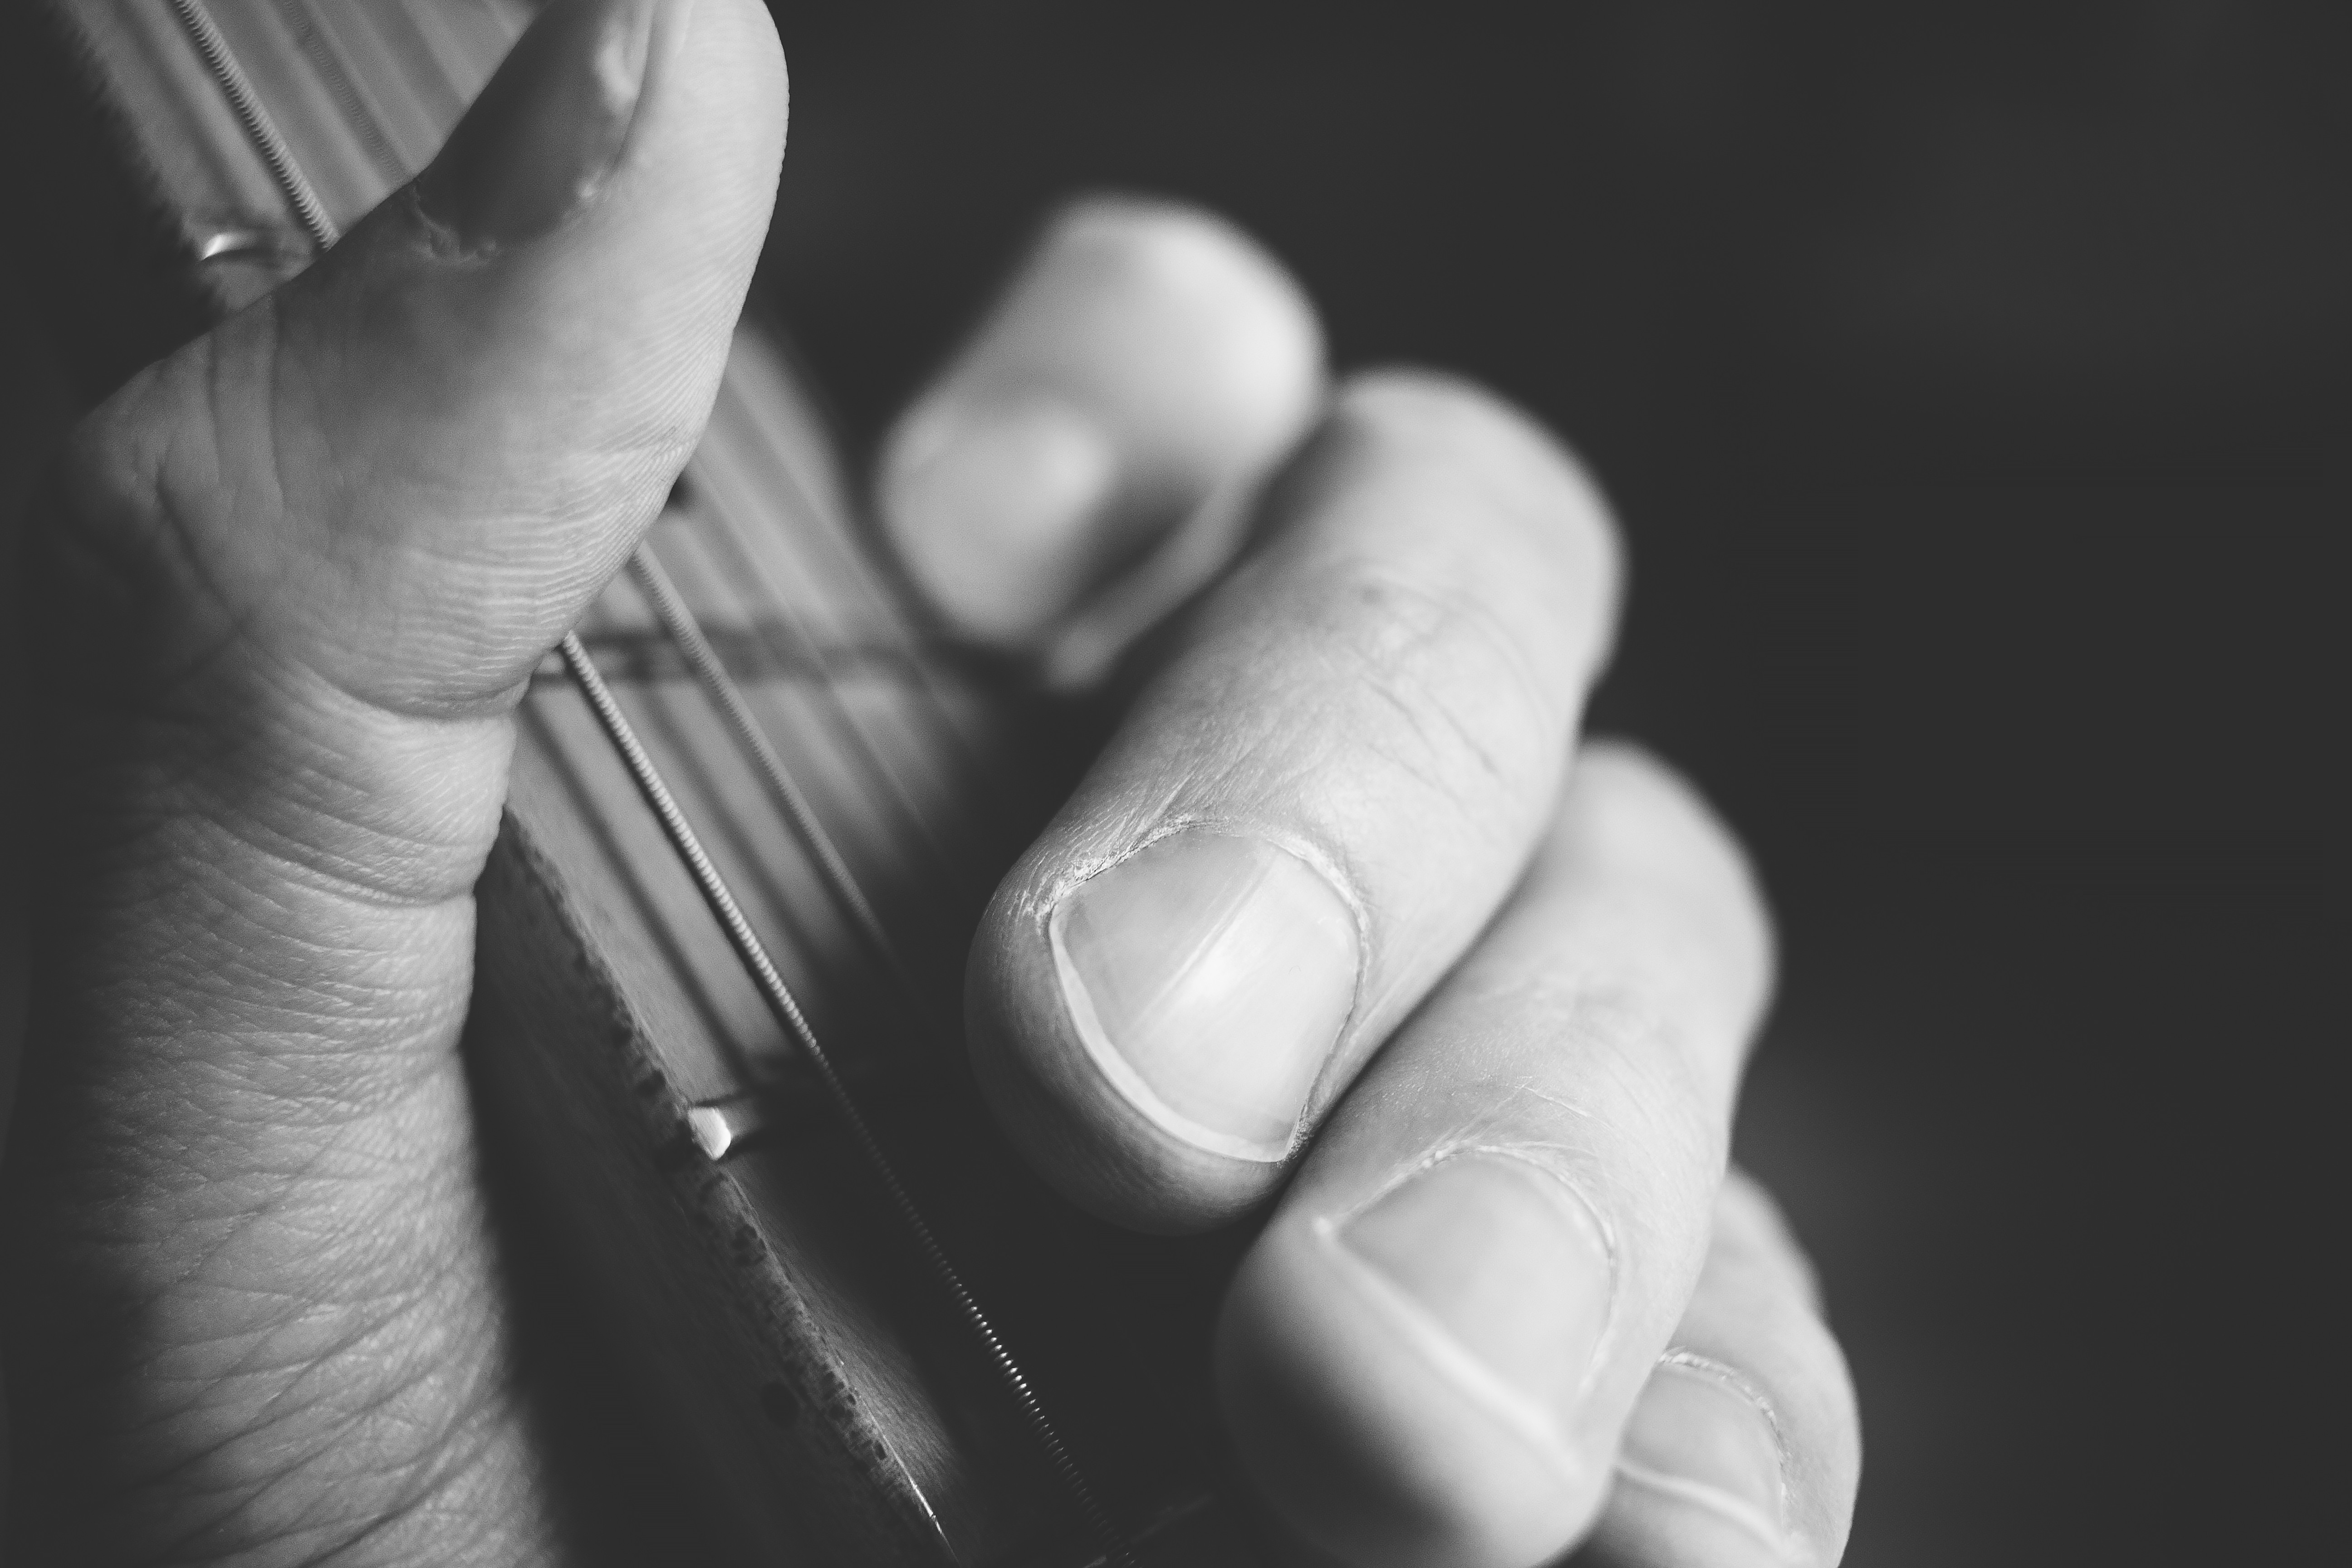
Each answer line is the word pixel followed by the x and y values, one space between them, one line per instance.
pixel 717 1132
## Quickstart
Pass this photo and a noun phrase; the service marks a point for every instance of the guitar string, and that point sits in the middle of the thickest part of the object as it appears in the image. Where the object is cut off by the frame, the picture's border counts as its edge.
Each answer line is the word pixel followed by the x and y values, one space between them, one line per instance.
pixel 786 634
pixel 278 158
pixel 302 22
pixel 780 1000
pixel 732 559
pixel 727 695
pixel 860 568
pixel 749 559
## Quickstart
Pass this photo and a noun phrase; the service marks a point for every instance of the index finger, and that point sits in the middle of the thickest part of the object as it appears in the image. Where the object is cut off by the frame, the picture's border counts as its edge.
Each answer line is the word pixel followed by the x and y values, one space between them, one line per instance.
pixel 1313 806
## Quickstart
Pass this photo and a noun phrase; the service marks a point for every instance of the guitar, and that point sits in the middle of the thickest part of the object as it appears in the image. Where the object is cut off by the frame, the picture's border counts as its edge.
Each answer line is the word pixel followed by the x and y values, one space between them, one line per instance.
pixel 756 809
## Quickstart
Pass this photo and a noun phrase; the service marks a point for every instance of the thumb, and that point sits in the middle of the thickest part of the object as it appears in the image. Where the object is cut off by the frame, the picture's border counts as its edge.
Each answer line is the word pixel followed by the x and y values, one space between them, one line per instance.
pixel 405 473
pixel 296 574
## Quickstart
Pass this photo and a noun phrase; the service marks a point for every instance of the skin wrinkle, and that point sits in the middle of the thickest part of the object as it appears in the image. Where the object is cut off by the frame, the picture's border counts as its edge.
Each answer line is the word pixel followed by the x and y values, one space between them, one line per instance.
pixel 214 782
pixel 1410 672
pixel 211 370
pixel 300 710
pixel 382 1259
pixel 301 1414
pixel 433 1467
pixel 207 1167
pixel 254 878
pixel 388 1318
pixel 306 1387
pixel 1444 613
pixel 458 1469
pixel 287 1098
pixel 423 1074
pixel 252 1367
pixel 1605 1009
pixel 264 1053
pixel 275 1110
pixel 627 460
pixel 387 1012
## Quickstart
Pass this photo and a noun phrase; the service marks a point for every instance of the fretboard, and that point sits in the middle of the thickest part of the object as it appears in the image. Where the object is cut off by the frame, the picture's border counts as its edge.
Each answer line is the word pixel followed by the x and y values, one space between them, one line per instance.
pixel 858 786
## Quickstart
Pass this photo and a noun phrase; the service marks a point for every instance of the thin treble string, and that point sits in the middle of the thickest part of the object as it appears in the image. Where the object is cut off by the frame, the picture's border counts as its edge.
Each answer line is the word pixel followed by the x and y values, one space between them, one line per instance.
pixel 787 618
pixel 779 997
pixel 979 758
pixel 982 759
pixel 274 152
pixel 728 696
pixel 676 621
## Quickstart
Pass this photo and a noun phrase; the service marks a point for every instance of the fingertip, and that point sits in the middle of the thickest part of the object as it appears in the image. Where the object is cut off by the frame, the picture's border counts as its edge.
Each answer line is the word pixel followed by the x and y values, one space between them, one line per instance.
pixel 1366 1447
pixel 979 500
pixel 1526 469
pixel 1146 356
pixel 1722 1463
pixel 1076 1126
pixel 1745 1444
pixel 1627 809
pixel 1237 342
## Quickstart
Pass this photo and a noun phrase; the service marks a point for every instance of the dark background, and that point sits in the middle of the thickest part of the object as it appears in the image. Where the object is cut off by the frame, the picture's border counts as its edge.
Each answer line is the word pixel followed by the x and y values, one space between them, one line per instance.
pixel 1964 376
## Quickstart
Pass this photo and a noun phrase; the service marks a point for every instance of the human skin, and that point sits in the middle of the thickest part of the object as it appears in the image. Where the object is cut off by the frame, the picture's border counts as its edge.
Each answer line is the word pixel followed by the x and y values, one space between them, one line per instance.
pixel 1346 919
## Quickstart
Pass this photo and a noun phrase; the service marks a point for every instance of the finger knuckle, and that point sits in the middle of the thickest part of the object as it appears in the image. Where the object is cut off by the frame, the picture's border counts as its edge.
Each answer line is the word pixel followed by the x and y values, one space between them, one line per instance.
pixel 1439 687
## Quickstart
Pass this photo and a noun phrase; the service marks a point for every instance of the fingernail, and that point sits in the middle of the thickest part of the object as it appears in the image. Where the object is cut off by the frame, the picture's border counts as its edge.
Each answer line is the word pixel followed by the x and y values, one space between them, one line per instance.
pixel 1700 1436
pixel 994 498
pixel 1499 1273
pixel 540 140
pixel 1209 975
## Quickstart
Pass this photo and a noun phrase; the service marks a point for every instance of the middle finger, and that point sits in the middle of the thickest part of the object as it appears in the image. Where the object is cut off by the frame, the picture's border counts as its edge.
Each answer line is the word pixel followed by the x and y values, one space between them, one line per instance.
pixel 1324 790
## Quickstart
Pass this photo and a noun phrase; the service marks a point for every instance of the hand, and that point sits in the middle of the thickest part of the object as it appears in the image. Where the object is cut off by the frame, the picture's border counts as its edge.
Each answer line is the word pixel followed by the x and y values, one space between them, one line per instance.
pixel 1343 904
pixel 296 574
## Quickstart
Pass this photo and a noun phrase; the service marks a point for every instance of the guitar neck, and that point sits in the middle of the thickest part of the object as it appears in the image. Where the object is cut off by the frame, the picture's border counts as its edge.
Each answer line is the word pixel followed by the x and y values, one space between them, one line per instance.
pixel 858 787
pixel 902 771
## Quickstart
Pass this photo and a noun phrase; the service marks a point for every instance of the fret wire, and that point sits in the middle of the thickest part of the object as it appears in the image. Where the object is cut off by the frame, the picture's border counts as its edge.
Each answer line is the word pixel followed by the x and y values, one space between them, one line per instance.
pixel 780 1000
pixel 271 146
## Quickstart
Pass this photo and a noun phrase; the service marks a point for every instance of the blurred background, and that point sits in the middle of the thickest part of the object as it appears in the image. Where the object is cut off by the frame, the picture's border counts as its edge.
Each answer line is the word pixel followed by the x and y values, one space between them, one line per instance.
pixel 1966 377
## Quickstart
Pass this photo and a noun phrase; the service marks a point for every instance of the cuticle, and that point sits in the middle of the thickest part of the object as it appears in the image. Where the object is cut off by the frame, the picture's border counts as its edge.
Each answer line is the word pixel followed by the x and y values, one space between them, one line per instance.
pixel 1739 1383
pixel 441 242
pixel 1775 1530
